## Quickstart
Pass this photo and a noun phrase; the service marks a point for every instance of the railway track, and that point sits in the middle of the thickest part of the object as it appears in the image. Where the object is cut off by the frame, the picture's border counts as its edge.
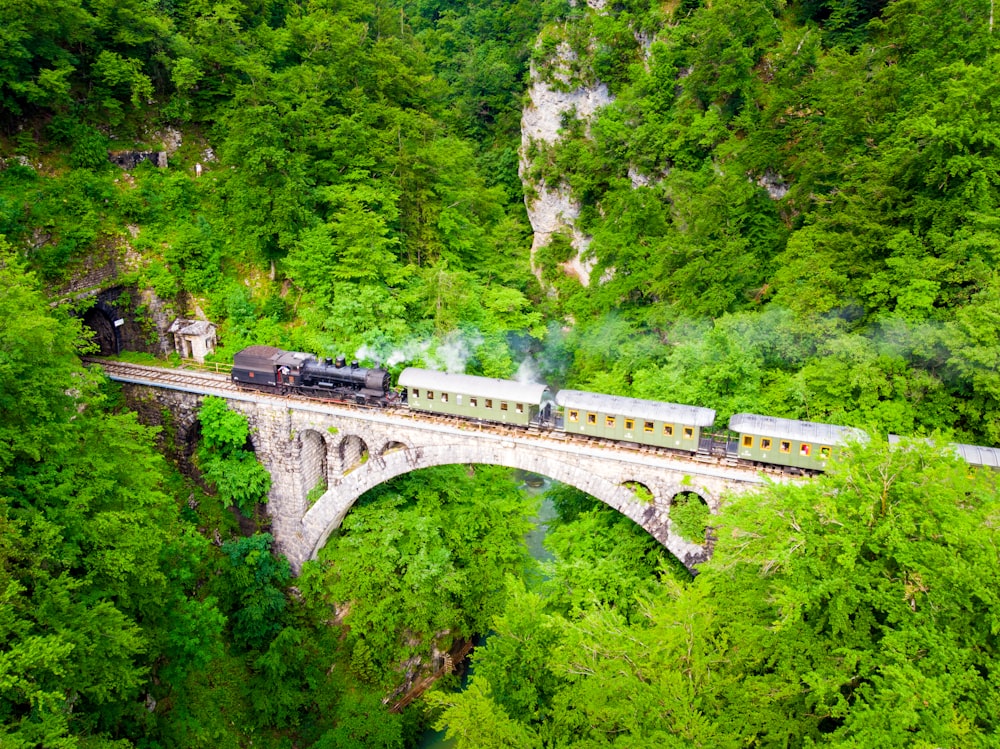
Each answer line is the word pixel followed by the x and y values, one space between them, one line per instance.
pixel 198 380
pixel 190 378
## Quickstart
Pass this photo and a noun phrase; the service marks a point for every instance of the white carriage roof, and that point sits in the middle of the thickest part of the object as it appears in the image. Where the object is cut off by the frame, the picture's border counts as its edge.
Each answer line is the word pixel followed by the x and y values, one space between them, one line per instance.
pixel 487 387
pixel 672 413
pixel 976 455
pixel 803 431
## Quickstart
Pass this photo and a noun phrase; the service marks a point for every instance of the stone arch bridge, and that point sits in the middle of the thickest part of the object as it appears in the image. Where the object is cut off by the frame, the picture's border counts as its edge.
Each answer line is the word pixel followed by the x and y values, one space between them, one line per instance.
pixel 322 457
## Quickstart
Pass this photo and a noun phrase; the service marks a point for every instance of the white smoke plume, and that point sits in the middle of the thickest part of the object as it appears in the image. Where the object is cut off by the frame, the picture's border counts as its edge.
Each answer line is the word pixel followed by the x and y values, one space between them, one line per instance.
pixel 449 354
pixel 365 353
pixel 528 374
pixel 454 352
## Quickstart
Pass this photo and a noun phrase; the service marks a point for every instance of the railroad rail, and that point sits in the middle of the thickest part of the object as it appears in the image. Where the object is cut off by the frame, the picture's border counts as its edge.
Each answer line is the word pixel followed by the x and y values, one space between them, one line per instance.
pixel 208 382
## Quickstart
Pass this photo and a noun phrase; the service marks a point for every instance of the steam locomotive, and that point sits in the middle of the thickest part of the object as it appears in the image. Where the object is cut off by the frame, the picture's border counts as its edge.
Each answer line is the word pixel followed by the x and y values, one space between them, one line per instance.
pixel 275 370
pixel 788 444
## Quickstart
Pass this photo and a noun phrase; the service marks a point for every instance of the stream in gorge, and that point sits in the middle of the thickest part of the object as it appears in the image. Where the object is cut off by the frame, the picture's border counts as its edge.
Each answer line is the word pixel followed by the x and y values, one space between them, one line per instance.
pixel 533 485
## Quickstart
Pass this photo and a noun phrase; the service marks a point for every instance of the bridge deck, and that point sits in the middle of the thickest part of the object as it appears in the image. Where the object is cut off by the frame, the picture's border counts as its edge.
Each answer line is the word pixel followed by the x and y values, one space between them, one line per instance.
pixel 208 383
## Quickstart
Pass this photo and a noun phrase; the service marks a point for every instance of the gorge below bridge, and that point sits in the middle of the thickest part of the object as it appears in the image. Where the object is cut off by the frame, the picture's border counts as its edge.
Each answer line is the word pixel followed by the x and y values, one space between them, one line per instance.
pixel 338 452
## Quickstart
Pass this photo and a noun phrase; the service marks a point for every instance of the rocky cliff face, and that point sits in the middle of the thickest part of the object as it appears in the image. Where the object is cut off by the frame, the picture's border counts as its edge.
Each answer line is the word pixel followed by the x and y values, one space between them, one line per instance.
pixel 550 206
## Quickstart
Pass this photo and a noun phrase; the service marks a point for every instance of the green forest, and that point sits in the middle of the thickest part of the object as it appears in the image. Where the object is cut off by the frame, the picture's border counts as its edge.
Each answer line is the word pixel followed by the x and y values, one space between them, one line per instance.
pixel 793 209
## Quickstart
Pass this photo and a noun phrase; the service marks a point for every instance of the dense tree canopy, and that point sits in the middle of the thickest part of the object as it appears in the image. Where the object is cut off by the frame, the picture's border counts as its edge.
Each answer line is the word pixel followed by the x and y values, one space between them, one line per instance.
pixel 857 609
pixel 791 208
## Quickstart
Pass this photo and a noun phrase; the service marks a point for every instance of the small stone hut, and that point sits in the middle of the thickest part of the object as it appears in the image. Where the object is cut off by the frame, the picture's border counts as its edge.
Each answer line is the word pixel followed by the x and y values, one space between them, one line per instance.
pixel 193 339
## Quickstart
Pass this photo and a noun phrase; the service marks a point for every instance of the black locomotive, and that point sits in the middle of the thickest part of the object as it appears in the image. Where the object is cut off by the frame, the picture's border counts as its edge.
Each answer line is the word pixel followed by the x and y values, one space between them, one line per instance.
pixel 278 371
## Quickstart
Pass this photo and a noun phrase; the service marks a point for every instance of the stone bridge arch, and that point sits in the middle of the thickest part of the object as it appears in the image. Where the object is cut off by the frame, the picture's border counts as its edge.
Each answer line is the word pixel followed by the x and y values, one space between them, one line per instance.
pixel 328 512
pixel 351 452
pixel 314 457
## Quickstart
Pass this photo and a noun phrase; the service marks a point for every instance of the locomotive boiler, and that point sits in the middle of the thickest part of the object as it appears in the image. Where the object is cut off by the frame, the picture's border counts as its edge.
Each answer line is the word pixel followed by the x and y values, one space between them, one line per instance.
pixel 275 370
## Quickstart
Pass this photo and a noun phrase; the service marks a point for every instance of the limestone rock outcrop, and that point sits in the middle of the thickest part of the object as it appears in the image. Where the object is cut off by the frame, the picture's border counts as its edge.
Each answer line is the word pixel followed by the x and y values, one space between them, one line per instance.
pixel 550 207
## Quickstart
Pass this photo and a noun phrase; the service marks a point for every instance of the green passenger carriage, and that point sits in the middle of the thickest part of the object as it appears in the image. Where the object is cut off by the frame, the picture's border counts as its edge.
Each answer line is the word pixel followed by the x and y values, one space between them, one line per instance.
pixel 788 442
pixel 634 420
pixel 472 397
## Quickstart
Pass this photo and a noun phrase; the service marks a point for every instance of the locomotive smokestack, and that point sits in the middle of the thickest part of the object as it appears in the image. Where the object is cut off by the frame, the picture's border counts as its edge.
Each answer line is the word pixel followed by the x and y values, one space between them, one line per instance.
pixel 354 364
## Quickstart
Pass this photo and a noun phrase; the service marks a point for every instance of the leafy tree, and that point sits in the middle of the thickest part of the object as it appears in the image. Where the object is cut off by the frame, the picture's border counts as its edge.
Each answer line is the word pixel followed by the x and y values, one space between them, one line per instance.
pixel 421 558
pixel 224 459
pixel 853 609
pixel 30 408
pixel 868 600
pixel 511 668
pixel 362 722
pixel 96 570
pixel 257 578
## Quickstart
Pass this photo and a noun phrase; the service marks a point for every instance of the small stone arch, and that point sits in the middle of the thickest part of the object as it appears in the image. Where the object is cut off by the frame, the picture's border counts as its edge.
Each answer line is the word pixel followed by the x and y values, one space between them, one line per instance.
pixel 690 515
pixel 351 453
pixel 641 491
pixel 392 446
pixel 313 463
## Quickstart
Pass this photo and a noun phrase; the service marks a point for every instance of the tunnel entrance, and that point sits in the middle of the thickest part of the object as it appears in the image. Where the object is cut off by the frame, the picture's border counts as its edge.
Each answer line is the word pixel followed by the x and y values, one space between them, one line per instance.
pixel 105 333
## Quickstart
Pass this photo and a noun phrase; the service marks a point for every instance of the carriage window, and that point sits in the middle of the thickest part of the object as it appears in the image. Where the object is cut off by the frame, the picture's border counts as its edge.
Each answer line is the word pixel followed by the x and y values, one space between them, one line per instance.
pixel 489 403
pixel 574 415
pixel 765 443
pixel 458 399
pixel 689 433
pixel 503 405
pixel 824 452
pixel 592 419
pixel 804 450
pixel 444 397
pixel 747 440
pixel 785 446
pixel 609 422
pixel 415 392
pixel 668 430
pixel 430 395
pixel 630 424
pixel 519 408
pixel 648 426
pixel 473 402
pixel 250 373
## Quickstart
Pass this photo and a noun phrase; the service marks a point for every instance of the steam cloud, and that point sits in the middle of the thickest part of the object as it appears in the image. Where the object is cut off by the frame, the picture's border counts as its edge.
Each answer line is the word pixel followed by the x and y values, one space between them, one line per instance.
pixel 450 354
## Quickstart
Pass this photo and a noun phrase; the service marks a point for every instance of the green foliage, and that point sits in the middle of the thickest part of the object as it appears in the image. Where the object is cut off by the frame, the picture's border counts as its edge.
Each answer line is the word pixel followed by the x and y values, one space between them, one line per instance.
pixel 690 516
pixel 512 674
pixel 853 609
pixel 421 558
pixel 239 479
pixel 600 558
pixel 237 475
pixel 222 430
pixel 31 408
pixel 256 580
pixel 875 576
pixel 814 236
pixel 362 722
pixel 97 572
